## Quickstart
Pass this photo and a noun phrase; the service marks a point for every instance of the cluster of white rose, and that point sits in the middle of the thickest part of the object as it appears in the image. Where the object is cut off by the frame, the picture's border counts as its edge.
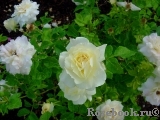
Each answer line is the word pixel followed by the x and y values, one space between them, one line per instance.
pixel 24 13
pixel 16 55
pixel 83 70
pixel 151 49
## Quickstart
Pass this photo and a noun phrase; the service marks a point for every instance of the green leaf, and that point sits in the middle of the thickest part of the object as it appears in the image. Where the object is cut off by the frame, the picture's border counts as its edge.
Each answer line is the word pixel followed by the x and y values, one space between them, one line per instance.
pixel 23 112
pixel 45 116
pixel 45 19
pixel 32 116
pixel 72 31
pixel 14 101
pixel 98 92
pixel 123 52
pixel 113 66
pixel 109 74
pixel 109 50
pixel 3 38
pixel 11 80
pixel 112 93
pixel 58 32
pixel 45 44
pixel 67 116
pixel 158 11
pixel 30 94
pixel 59 46
pixel 83 19
pixel 51 62
pixel 27 104
pixel 158 30
pixel 72 107
pixel 47 34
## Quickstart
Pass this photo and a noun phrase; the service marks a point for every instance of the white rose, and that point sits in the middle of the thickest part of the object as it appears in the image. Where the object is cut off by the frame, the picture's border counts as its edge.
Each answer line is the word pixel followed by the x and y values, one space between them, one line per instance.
pixel 151 48
pixel 17 55
pixel 106 109
pixel 75 94
pixel 47 107
pixel 82 64
pixel 151 90
pixel 25 12
pixel 128 6
pixel 10 24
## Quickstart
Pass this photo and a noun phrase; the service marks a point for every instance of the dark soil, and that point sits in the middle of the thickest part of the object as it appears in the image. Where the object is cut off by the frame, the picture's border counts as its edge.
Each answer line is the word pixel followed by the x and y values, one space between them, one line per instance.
pixel 146 106
pixel 63 12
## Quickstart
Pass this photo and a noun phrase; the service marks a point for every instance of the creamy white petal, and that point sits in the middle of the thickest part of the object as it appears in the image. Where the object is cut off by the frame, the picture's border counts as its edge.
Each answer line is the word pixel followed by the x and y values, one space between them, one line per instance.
pixel 75 94
pixel 134 8
pixel 74 42
pixel 101 49
pixel 64 77
pixel 62 57
pixel 122 4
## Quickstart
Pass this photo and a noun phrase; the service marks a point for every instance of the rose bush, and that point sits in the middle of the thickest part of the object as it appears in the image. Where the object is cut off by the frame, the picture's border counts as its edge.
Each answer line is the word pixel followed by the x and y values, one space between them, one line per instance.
pixel 101 60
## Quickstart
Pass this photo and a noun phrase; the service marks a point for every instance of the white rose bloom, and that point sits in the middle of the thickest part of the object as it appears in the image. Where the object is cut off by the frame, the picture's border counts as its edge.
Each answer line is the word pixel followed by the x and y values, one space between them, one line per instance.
pixel 17 55
pixel 151 90
pixel 25 12
pixel 106 109
pixel 10 24
pixel 128 5
pixel 75 94
pixel 82 64
pixel 47 107
pixel 151 48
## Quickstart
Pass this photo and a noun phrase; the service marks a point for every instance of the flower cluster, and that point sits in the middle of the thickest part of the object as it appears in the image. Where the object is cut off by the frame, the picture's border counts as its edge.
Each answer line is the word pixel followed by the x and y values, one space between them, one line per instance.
pixel 109 106
pixel 16 55
pixel 151 49
pixel 24 13
pixel 83 70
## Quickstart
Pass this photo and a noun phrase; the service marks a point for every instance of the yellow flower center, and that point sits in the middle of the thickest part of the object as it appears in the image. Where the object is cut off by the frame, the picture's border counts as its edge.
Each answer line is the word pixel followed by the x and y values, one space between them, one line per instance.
pixel 80 59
